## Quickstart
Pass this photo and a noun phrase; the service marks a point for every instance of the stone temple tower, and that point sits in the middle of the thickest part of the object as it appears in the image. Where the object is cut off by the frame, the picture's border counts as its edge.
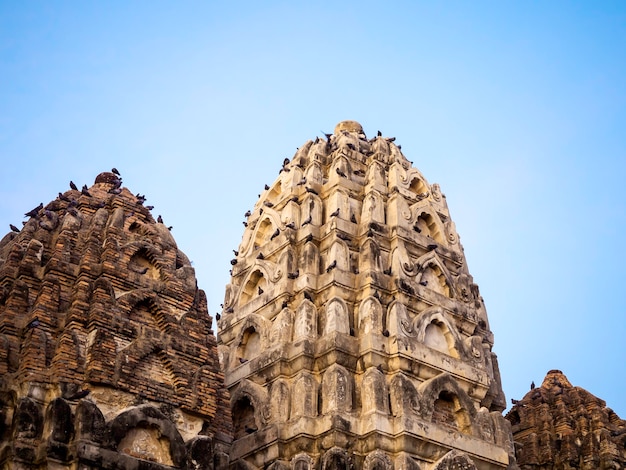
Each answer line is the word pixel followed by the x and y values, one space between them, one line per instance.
pixel 352 334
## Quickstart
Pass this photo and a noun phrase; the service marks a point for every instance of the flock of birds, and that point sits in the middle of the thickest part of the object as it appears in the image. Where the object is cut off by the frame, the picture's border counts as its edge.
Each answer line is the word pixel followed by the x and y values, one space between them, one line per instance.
pixel 72 203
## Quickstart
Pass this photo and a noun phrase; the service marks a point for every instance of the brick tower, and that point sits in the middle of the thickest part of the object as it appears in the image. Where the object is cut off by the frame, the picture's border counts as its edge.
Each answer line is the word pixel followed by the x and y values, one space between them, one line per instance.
pixel 352 334
pixel 107 358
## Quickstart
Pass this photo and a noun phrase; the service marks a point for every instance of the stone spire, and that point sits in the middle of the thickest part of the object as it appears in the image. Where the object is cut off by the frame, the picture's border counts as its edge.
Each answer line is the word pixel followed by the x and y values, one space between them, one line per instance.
pixel 107 358
pixel 352 333
pixel 558 426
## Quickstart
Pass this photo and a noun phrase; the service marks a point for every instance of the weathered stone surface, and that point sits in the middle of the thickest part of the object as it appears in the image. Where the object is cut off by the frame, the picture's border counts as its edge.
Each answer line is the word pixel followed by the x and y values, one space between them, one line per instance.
pixel 352 334
pixel 560 427
pixel 107 358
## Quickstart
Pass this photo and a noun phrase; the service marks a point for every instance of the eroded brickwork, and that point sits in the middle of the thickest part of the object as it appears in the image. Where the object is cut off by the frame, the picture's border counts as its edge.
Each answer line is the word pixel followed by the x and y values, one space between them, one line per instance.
pixel 107 357
pixel 561 427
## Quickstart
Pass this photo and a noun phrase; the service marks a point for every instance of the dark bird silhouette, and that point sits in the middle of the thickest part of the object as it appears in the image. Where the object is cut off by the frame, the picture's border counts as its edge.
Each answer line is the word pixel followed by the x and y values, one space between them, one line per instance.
pixel 353 218
pixel 73 186
pixel 291 225
pixel 355 270
pixel 417 229
pixel 308 220
pixel 114 170
pixel 217 317
pixel 328 136
pixel 268 204
pixel 376 295
pixel 141 199
pixel 335 213
pixel 432 246
pixel 343 236
pixel 236 252
pixel 359 172
pixel 386 333
pixel 260 256
pixel 247 214
pixel 170 228
pixel 514 401
pixel 14 228
pixel 532 385
pixel 100 205
pixel 245 224
pixel 33 324
pixel 294 274
pixel 424 283
pixel 390 139
pixel 351 146
pixel 311 190
pixel 64 198
pixel 115 191
pixel 370 233
pixel 80 394
pixel 285 162
pixel 331 266
pixel 85 190
pixel 302 181
pixel 267 187
pixel 149 207
pixel 308 296
pixel 261 211
pixel 35 211
pixel 340 172
pixel 387 271
pixel 309 238
pixel 230 310
pixel 294 199
pixel 117 183
pixel 260 291
pixel 285 304
pixel 160 219
pixel 250 430
pixel 275 234
pixel 242 360
pixel 379 134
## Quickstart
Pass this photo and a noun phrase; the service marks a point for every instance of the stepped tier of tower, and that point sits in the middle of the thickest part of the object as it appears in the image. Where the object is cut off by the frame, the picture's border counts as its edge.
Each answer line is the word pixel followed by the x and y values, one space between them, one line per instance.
pixel 557 426
pixel 352 333
pixel 107 357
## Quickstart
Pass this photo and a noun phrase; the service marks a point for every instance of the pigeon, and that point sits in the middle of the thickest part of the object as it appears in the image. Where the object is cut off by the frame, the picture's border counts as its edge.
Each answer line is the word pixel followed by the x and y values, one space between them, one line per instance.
pixel 331 266
pixel 84 190
pixel 247 214
pixel 267 187
pixel 160 219
pixel 35 211
pixel 260 291
pixel 14 228
pixel 340 171
pixel 114 170
pixel 335 213
pixel 275 234
pixel 73 186
pixel 308 220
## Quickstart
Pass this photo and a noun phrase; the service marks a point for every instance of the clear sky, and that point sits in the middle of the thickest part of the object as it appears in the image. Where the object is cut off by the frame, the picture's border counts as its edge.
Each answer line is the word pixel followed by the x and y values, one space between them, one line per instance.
pixel 517 109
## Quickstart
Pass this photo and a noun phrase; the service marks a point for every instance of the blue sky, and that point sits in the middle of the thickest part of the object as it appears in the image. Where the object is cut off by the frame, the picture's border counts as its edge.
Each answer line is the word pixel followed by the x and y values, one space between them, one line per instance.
pixel 517 109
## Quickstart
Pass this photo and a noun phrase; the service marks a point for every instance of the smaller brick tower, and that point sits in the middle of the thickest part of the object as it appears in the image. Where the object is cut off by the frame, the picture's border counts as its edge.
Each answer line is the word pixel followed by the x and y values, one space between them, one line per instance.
pixel 107 358
pixel 560 427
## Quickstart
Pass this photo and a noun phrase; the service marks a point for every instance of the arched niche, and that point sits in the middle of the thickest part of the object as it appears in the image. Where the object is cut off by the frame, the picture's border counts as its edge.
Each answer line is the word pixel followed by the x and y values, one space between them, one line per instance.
pixel 143 262
pixel 430 225
pixel 255 284
pixel 305 324
pixel 434 330
pixel 305 387
pixel 337 390
pixel 377 460
pixel 370 316
pixel 280 401
pixel 27 420
pixel 336 458
pixel 444 402
pixel 59 421
pixel 417 185
pixel 375 176
pixel 250 408
pixel 374 392
pixel 398 320
pixel 249 346
pixel 274 192
pixel 336 317
pixel 455 459
pixel 145 433
pixel 264 229
pixel 302 461
pixel 433 277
